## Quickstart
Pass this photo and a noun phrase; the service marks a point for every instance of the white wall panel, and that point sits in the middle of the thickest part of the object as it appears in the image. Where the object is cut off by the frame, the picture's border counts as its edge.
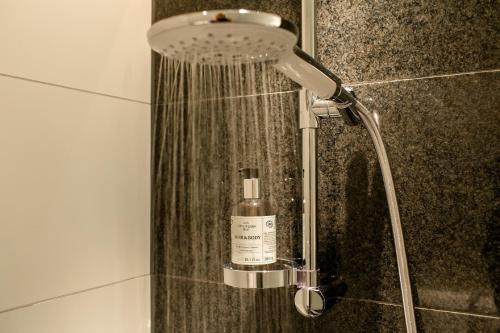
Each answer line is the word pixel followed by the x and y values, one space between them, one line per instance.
pixel 120 308
pixel 74 191
pixel 95 45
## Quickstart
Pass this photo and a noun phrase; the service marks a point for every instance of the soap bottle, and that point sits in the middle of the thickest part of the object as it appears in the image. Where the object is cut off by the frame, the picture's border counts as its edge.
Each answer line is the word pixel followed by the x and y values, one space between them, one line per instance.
pixel 253 227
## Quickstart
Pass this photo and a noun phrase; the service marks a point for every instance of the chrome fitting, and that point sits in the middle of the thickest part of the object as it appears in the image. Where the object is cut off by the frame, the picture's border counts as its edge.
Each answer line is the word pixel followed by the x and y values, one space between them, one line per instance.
pixel 283 275
pixel 344 106
pixel 325 108
pixel 307 118
pixel 306 278
pixel 310 302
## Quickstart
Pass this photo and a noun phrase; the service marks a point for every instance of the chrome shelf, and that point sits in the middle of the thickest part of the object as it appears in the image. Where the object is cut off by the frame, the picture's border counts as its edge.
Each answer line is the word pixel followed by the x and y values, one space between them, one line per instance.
pixel 283 274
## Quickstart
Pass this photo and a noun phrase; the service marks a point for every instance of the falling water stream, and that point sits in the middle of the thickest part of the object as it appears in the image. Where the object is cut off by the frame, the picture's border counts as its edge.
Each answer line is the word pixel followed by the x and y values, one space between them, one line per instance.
pixel 212 120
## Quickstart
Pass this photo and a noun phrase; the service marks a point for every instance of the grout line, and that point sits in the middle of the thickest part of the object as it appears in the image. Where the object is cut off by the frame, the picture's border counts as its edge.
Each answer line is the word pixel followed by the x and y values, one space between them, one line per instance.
pixel 462 313
pixel 349 84
pixel 350 299
pixel 358 84
pixel 180 277
pixel 459 313
pixel 234 97
pixel 74 89
pixel 55 298
pixel 365 300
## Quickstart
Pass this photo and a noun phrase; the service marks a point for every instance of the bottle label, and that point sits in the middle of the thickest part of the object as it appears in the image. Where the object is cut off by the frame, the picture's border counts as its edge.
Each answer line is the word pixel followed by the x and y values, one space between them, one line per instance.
pixel 253 240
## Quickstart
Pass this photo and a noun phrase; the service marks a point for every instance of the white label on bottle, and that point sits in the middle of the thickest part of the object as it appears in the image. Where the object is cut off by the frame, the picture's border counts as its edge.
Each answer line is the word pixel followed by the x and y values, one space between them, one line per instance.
pixel 253 240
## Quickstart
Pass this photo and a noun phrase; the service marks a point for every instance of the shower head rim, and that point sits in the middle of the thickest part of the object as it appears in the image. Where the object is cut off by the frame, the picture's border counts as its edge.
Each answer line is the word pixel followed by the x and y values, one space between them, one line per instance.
pixel 223 36
pixel 238 16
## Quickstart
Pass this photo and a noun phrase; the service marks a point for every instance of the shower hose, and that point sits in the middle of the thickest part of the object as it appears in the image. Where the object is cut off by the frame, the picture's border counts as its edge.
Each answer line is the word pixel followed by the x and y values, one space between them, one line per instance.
pixel 404 279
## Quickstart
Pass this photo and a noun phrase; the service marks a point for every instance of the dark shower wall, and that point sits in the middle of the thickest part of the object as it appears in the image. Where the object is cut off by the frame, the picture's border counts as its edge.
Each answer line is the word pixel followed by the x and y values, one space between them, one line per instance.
pixel 429 69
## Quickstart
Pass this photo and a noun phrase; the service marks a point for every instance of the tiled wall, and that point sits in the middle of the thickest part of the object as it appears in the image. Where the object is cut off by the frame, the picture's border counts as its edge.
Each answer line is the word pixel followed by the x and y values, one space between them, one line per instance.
pixel 431 70
pixel 442 137
pixel 74 166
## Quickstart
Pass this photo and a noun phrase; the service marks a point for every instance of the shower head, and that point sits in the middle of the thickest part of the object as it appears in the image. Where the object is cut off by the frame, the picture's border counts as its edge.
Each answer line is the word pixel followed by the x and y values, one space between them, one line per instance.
pixel 225 37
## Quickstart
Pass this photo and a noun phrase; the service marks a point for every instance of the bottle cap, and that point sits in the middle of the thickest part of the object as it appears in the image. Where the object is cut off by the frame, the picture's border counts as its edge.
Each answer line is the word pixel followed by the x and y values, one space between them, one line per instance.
pixel 250 183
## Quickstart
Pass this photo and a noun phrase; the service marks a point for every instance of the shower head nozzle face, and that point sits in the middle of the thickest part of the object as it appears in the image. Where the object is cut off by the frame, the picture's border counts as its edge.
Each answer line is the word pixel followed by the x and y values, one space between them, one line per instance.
pixel 223 37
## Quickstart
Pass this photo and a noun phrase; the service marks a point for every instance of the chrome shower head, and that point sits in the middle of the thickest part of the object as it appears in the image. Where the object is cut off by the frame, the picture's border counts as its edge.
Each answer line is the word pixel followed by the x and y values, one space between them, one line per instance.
pixel 241 36
pixel 223 36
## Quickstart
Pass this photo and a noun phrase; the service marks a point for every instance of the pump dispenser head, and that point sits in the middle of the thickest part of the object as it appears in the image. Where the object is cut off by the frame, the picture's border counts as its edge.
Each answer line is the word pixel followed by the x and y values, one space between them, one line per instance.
pixel 250 183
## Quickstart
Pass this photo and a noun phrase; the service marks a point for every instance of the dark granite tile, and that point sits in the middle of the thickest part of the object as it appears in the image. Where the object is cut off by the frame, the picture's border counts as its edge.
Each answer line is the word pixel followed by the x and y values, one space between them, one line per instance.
pixel 441 322
pixel 156 80
pixel 354 227
pixel 353 316
pixel 197 182
pixel 380 40
pixel 183 305
pixel 187 306
pixel 442 137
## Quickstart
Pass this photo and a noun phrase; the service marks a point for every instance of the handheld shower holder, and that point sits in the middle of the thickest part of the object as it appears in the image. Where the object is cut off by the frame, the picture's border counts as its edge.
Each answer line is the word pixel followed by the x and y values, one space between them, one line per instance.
pixel 335 108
